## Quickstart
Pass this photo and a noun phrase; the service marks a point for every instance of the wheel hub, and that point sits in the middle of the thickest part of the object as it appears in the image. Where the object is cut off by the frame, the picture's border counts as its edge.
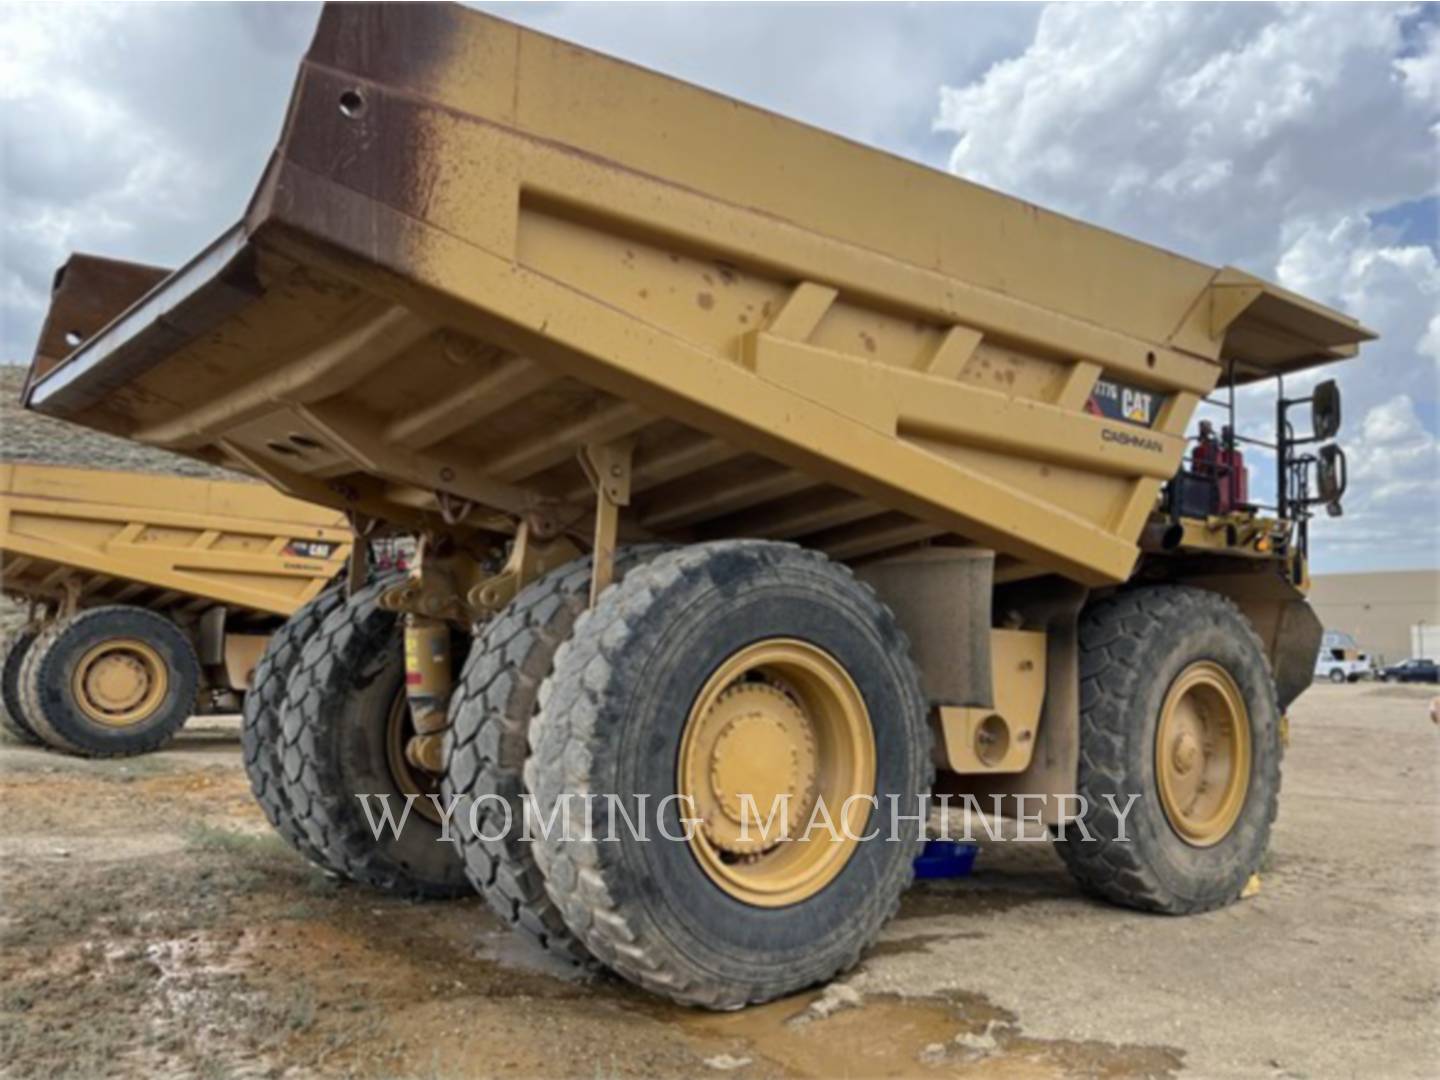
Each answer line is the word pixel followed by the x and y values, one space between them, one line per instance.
pixel 1186 753
pixel 761 745
pixel 120 682
pixel 1202 754
pixel 781 722
pixel 117 682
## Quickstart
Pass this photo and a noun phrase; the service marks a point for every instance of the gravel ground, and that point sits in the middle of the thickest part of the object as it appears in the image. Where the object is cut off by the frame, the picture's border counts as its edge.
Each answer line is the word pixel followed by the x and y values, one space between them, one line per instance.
pixel 152 926
pixel 28 436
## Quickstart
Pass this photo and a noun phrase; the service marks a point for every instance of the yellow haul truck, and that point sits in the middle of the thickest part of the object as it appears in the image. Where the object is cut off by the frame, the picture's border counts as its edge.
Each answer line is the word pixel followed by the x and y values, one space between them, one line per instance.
pixel 746 462
pixel 150 596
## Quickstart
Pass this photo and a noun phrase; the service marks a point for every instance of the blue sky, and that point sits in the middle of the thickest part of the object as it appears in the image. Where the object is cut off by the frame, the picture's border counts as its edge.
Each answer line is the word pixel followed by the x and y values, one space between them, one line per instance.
pixel 1295 141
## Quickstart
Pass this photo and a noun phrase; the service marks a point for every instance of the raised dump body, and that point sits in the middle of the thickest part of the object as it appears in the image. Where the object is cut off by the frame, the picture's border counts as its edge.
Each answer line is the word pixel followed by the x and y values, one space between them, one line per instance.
pixel 529 302
pixel 478 249
pixel 206 564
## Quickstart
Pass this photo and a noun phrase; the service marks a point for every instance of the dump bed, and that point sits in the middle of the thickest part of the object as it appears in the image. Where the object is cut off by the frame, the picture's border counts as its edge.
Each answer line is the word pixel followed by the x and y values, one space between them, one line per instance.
pixel 172 544
pixel 478 249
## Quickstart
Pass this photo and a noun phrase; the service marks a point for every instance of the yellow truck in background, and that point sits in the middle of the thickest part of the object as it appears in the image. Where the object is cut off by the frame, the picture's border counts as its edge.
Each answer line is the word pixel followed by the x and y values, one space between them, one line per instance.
pixel 150 597
pixel 746 462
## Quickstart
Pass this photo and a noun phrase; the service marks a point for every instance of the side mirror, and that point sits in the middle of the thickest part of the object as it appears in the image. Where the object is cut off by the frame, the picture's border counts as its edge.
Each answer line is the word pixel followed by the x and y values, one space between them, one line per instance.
pixel 1325 410
pixel 1330 475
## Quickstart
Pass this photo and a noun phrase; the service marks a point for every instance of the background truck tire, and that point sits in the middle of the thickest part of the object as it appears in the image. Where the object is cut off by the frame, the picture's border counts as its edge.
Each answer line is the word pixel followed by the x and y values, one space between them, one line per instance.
pixel 490 715
pixel 340 702
pixel 611 721
pixel 1135 649
pixel 261 729
pixel 12 657
pixel 109 682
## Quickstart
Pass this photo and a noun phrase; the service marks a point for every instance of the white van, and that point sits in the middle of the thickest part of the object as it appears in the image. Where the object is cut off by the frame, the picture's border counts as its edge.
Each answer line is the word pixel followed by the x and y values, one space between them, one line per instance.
pixel 1341 660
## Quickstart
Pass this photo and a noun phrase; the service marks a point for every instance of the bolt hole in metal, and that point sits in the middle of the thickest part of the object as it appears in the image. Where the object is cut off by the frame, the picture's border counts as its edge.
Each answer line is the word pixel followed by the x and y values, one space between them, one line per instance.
pixel 73 339
pixel 992 740
pixel 352 104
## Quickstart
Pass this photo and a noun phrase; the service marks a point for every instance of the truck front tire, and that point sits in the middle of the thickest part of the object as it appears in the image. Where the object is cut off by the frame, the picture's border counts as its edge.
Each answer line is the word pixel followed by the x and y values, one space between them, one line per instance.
pixel 344 729
pixel 109 682
pixel 711 672
pixel 1177 708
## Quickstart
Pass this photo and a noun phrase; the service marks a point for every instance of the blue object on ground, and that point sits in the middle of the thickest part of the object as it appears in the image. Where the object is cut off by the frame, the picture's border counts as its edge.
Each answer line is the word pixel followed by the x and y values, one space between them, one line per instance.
pixel 946 859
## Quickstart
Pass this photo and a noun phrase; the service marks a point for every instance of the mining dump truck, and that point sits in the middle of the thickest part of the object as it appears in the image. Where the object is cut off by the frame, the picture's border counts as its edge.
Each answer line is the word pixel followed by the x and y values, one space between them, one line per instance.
pixel 150 598
pixel 749 466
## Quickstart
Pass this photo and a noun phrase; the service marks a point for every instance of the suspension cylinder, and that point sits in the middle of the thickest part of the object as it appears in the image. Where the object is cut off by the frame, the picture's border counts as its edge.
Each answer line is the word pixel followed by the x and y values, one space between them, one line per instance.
pixel 428 681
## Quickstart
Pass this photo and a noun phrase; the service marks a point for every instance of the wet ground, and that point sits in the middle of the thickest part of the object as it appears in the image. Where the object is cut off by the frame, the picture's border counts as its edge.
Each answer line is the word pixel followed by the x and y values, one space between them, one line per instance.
pixel 150 925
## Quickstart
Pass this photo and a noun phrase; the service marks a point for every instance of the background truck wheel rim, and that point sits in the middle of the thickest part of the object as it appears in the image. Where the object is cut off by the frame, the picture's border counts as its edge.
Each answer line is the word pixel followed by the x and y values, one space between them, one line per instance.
pixel 779 717
pixel 120 682
pixel 1202 754
pixel 408 779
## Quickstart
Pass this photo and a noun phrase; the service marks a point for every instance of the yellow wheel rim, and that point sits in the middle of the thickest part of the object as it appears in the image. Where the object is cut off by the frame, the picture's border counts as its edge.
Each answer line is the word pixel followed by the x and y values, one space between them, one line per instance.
pixel 120 682
pixel 1202 754
pixel 408 780
pixel 779 720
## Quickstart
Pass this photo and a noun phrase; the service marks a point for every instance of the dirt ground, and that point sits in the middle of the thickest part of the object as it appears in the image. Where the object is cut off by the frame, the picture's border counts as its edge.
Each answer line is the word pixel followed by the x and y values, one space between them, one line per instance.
pixel 150 925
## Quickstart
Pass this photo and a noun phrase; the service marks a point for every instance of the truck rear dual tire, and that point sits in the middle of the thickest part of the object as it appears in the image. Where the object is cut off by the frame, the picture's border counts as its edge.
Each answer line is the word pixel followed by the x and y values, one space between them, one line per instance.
pixel 262 722
pixel 1178 708
pixel 491 711
pixel 343 733
pixel 12 658
pixel 109 682
pixel 711 672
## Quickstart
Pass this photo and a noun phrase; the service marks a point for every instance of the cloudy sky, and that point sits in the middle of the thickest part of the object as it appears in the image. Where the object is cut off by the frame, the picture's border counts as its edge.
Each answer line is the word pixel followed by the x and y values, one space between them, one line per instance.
pixel 1298 142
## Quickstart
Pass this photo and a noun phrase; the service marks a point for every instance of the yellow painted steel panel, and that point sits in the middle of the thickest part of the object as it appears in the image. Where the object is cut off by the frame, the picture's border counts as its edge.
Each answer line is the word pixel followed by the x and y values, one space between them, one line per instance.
pixel 228 542
pixel 478 249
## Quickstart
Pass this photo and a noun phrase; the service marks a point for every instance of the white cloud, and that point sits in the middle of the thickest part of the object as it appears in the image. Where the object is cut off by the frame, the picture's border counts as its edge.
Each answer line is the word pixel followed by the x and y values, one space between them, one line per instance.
pixel 1420 72
pixel 1391 422
pixel 139 131
pixel 1262 136
pixel 1392 288
pixel 1394 466
pixel 136 132
pixel 1205 128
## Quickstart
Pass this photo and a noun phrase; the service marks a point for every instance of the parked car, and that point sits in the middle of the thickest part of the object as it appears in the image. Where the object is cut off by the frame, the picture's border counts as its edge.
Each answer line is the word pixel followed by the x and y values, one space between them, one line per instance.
pixel 1341 661
pixel 1412 671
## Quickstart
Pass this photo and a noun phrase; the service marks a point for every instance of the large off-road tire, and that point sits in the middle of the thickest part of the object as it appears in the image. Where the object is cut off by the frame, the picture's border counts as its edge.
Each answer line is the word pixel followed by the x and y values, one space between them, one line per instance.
pixel 716 663
pixel 343 735
pixel 12 712
pixel 109 682
pixel 1178 707
pixel 488 742
pixel 261 729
